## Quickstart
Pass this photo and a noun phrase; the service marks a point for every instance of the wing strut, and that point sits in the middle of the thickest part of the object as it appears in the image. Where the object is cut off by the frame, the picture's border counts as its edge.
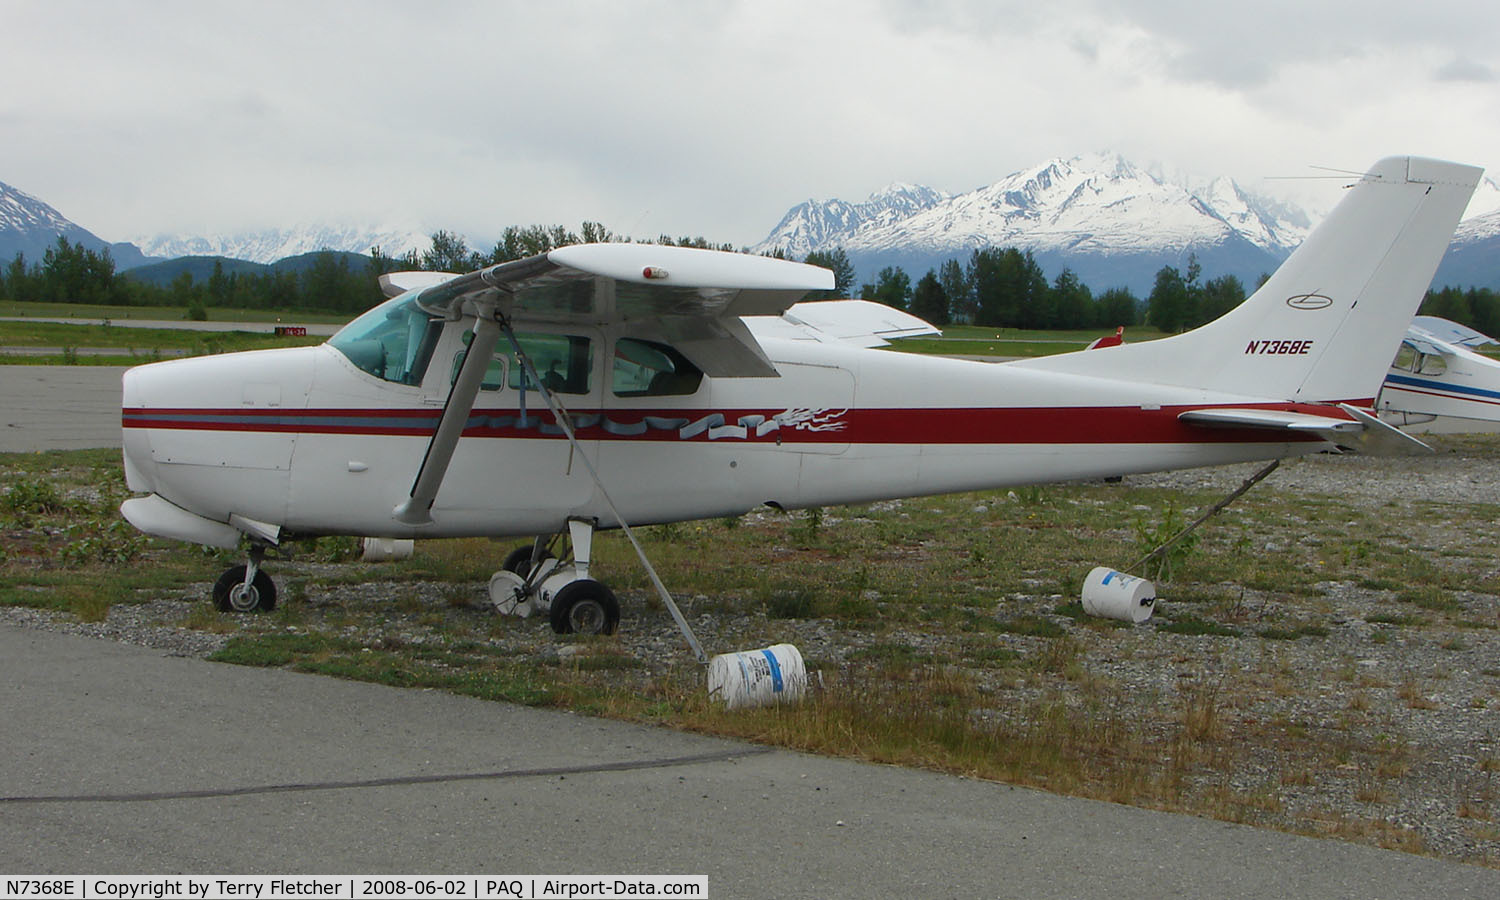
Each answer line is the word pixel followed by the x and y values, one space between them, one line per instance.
pixel 417 509
pixel 559 415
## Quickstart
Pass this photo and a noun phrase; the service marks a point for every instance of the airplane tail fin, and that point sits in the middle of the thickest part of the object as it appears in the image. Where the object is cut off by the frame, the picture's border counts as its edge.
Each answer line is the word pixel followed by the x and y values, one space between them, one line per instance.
pixel 1326 325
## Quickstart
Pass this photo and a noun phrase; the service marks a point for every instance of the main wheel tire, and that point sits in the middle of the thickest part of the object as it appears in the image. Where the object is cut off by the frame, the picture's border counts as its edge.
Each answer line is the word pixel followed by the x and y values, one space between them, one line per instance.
pixel 585 607
pixel 231 594
pixel 519 560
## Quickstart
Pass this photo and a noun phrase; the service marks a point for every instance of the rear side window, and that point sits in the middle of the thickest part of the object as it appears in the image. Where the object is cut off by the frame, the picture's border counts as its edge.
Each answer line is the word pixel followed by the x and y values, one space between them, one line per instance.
pixel 648 369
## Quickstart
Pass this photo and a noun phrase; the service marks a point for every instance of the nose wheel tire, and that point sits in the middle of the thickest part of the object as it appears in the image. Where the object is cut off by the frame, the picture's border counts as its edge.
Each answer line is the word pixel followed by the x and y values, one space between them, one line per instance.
pixel 585 607
pixel 231 594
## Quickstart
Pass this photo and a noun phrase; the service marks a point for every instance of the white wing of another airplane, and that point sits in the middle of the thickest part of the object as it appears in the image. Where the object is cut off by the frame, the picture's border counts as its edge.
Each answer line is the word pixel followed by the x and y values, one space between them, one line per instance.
pixel 858 323
pixel 1435 327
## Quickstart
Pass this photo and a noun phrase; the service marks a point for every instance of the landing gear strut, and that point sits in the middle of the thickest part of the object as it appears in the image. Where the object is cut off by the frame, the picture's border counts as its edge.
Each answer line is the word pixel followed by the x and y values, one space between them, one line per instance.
pixel 532 580
pixel 246 588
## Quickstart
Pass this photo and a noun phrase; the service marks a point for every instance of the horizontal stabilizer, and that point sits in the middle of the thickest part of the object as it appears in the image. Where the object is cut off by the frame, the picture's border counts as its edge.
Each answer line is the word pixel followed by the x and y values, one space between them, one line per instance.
pixel 1362 432
pixel 1269 418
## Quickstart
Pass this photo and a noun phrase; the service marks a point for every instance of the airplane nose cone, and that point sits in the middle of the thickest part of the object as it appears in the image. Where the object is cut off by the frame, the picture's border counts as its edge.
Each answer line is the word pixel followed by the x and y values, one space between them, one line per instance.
pixel 202 433
pixel 139 471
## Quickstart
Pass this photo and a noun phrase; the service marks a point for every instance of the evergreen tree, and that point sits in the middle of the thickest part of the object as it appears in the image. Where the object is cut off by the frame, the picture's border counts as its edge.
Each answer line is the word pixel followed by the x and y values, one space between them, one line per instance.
pixel 1170 305
pixel 72 273
pixel 958 290
pixel 1117 306
pixel 449 253
pixel 1072 303
pixel 594 233
pixel 929 301
pixel 1009 288
pixel 1218 297
pixel 892 287
pixel 843 272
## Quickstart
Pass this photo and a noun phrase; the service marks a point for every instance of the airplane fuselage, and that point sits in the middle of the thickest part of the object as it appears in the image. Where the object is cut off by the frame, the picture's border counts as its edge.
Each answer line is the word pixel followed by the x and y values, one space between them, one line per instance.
pixel 320 445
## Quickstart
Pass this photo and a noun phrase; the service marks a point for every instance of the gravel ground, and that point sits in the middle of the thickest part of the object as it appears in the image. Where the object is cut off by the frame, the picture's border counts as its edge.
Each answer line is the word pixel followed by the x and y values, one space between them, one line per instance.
pixel 1381 734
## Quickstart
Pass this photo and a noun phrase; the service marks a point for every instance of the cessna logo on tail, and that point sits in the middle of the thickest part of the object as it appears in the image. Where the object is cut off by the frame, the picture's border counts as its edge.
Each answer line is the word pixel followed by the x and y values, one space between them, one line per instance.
pixel 1309 301
pixel 1278 348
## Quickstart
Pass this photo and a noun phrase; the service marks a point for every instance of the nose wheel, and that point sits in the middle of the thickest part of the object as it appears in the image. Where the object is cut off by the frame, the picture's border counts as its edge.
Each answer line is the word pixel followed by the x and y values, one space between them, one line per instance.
pixel 246 588
pixel 235 592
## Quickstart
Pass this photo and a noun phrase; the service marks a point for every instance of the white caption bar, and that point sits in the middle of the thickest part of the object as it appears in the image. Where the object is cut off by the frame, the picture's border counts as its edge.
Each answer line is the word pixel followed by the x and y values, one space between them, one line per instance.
pixel 351 887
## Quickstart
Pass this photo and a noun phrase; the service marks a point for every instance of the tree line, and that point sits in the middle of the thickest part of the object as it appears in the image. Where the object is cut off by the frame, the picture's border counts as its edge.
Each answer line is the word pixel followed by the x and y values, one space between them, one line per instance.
pixel 996 287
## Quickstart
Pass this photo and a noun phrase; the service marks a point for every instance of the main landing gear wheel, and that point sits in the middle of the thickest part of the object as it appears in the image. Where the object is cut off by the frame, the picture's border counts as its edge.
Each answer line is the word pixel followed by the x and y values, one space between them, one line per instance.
pixel 519 561
pixel 231 594
pixel 585 607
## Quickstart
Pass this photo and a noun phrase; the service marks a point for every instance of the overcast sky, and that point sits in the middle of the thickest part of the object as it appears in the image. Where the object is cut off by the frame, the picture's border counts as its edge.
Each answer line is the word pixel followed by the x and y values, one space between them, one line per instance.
pixel 701 117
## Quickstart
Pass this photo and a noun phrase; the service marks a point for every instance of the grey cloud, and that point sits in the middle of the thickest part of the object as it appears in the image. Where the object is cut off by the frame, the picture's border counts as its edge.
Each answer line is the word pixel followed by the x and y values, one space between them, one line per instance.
pixel 1461 69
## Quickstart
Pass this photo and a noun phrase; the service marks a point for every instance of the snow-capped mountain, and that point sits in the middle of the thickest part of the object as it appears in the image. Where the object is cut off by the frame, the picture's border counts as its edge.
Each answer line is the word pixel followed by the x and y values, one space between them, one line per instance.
pixel 270 245
pixel 1108 219
pixel 30 227
pixel 1473 259
pixel 814 225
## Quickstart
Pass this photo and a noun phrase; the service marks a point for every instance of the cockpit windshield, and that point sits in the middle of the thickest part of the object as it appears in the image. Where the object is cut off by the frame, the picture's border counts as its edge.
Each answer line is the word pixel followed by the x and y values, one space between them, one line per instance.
pixel 393 341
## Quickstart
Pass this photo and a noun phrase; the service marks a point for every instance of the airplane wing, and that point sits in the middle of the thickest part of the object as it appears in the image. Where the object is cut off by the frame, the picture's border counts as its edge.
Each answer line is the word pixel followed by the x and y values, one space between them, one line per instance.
pixel 690 298
pixel 1443 330
pixel 1361 431
pixel 859 323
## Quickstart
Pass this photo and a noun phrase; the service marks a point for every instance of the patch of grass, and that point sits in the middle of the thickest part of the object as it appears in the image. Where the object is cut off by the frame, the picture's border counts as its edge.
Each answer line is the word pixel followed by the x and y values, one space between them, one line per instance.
pixel 791 603
pixel 27 497
pixel 1151 535
pixel 1276 633
pixel 898 654
pixel 1400 619
pixel 1430 597
pixel 1186 624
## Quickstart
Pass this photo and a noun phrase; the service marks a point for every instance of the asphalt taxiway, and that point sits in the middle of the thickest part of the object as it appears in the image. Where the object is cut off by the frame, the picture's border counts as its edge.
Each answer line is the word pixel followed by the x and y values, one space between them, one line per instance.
pixel 122 760
pixel 59 407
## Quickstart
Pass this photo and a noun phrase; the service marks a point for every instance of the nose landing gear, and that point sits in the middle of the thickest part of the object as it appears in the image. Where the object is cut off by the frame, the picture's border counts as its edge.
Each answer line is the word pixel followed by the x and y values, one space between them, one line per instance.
pixel 246 588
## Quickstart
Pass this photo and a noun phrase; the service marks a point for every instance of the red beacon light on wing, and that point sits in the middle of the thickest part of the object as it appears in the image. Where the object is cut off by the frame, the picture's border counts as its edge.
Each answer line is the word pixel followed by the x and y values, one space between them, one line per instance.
pixel 654 273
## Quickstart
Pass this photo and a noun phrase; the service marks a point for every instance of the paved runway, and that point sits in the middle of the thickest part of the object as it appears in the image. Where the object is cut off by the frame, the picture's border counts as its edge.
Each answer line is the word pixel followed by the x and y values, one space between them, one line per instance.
pixel 59 407
pixel 317 328
pixel 121 760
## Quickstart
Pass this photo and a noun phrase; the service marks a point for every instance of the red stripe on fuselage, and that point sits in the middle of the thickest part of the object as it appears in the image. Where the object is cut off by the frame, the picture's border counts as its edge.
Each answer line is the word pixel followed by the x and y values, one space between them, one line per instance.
pixel 987 425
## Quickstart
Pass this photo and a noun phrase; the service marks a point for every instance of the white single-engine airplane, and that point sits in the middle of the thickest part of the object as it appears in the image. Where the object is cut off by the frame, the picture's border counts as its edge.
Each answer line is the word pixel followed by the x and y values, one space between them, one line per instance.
pixel 603 385
pixel 1437 372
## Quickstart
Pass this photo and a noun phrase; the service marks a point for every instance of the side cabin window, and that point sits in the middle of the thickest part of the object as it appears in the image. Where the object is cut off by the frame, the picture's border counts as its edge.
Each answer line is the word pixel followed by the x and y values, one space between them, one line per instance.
pixel 394 341
pixel 494 375
pixel 1410 359
pixel 564 363
pixel 647 369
